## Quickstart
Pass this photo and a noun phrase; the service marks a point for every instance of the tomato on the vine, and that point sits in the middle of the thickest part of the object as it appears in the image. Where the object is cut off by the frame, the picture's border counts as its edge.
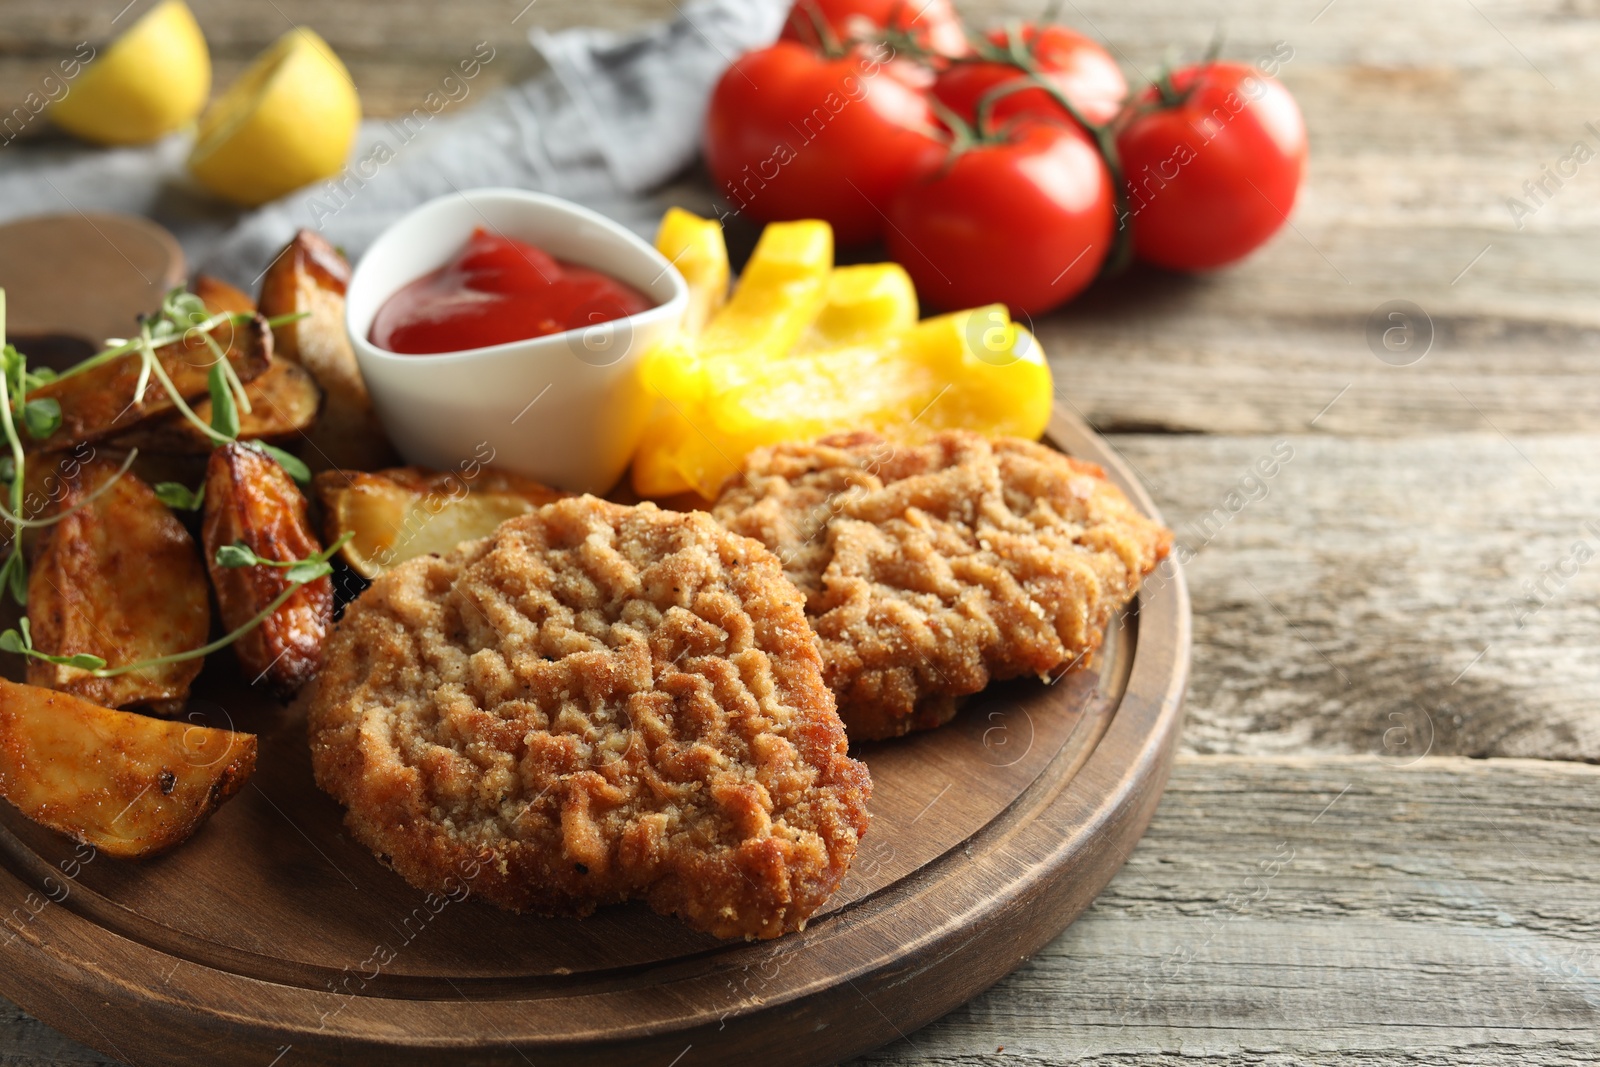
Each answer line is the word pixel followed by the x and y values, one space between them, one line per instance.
pixel 1025 221
pixel 1083 71
pixel 1212 163
pixel 792 133
pixel 931 24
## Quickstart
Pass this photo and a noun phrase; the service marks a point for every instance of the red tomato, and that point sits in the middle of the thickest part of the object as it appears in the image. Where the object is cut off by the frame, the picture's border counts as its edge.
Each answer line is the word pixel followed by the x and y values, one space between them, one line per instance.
pixel 1212 177
pixel 792 134
pixel 1083 71
pixel 1026 222
pixel 933 24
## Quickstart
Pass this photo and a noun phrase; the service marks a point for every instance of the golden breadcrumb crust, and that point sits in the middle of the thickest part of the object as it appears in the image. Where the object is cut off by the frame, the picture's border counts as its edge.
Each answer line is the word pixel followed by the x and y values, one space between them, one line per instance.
pixel 931 569
pixel 595 703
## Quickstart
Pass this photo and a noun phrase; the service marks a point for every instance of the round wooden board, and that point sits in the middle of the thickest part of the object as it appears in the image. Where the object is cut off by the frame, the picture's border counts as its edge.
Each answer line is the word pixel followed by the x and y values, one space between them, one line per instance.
pixel 272 938
pixel 84 277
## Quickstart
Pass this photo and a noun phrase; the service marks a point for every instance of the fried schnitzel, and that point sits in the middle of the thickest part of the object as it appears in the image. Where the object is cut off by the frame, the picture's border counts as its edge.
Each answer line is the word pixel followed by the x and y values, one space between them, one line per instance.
pixel 931 569
pixel 595 703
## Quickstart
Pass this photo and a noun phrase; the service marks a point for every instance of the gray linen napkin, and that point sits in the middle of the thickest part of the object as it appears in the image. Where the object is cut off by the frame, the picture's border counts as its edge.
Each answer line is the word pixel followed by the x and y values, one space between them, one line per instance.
pixel 614 116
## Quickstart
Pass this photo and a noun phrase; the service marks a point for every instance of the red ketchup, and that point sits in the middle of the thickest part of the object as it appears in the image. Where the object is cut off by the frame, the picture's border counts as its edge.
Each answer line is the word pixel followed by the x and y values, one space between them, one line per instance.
pixel 497 290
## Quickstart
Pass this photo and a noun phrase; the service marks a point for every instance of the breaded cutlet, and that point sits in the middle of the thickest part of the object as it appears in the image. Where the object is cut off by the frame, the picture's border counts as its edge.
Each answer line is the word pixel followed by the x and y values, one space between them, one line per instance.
pixel 593 704
pixel 931 569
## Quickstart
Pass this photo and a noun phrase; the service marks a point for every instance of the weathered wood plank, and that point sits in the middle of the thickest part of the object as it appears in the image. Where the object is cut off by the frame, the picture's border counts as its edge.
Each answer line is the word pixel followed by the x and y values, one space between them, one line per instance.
pixel 1547 37
pixel 1432 63
pixel 1342 604
pixel 1263 347
pixel 1331 911
pixel 29 1043
pixel 1348 67
pixel 1290 911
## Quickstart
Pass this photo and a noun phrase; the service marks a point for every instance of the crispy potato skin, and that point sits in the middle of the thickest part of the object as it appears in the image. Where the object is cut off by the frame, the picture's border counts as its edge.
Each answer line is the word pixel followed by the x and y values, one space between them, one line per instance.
pixel 47 478
pixel 250 499
pixel 129 785
pixel 99 402
pixel 311 276
pixel 404 512
pixel 218 296
pixel 119 578
pixel 284 401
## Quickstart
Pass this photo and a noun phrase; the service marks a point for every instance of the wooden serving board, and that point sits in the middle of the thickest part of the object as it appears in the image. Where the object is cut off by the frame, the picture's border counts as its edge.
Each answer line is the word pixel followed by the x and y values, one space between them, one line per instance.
pixel 273 938
pixel 82 278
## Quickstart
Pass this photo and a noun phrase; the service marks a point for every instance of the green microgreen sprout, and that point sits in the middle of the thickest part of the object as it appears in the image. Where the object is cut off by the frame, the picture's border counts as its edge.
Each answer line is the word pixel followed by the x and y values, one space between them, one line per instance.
pixel 14 380
pixel 180 497
pixel 42 417
pixel 297 573
pixel 20 641
pixel 182 317
pixel 292 464
pixel 224 413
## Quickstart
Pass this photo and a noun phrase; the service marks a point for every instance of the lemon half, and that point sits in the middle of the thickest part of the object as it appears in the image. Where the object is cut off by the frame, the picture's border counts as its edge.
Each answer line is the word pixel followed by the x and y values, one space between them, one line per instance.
pixel 150 81
pixel 288 121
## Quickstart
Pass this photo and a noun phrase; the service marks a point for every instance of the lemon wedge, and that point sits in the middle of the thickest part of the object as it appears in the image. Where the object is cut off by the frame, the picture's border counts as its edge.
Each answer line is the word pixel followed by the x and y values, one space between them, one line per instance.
pixel 150 81
pixel 288 121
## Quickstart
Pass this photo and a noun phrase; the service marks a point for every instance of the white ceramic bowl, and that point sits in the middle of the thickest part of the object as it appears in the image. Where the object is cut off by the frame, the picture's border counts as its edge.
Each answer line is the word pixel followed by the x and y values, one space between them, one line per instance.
pixel 567 408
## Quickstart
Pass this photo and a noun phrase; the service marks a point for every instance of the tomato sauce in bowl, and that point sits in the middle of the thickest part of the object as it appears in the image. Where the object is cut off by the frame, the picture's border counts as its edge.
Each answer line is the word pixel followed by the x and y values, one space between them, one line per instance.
pixel 566 408
pixel 498 290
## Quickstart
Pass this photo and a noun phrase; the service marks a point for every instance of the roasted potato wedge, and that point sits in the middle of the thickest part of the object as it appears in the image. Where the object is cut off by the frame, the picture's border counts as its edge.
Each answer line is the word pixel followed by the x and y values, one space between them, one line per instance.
pixel 218 296
pixel 406 512
pixel 99 402
pixel 284 401
pixel 250 500
pixel 48 476
pixel 118 578
pixel 130 786
pixel 311 276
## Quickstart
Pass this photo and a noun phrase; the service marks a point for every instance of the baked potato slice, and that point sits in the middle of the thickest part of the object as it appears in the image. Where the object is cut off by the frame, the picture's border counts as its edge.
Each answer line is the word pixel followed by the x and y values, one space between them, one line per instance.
pixel 218 296
pixel 405 512
pixel 99 402
pixel 284 401
pixel 120 578
pixel 251 501
pixel 129 785
pixel 310 277
pixel 48 476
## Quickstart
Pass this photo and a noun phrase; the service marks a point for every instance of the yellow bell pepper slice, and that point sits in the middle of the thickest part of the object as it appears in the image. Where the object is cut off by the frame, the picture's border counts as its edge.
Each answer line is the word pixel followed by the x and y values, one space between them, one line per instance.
pixel 778 297
pixel 695 246
pixel 972 369
pixel 656 463
pixel 865 302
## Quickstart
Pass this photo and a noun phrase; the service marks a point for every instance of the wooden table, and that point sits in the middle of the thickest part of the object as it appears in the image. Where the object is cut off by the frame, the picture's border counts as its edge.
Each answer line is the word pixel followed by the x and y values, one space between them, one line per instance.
pixel 1379 844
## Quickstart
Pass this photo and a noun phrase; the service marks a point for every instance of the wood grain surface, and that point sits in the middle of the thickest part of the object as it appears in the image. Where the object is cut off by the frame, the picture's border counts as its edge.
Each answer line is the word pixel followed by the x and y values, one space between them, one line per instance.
pixel 36 253
pixel 1322 910
pixel 1392 547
